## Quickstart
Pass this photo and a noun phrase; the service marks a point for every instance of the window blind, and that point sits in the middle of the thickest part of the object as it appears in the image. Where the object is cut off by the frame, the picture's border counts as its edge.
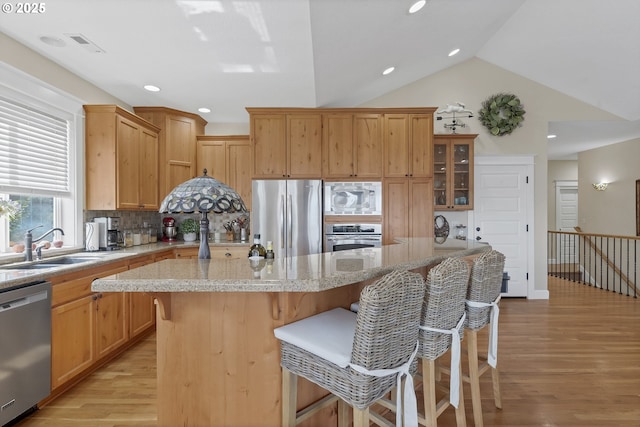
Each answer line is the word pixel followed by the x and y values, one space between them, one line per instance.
pixel 34 151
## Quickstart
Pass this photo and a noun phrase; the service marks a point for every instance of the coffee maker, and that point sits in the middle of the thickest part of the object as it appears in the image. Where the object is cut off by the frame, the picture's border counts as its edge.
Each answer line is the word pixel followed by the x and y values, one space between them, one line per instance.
pixel 109 229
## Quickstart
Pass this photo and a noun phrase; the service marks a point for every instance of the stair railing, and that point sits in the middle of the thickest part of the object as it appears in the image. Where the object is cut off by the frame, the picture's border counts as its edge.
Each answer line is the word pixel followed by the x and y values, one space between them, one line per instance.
pixel 604 261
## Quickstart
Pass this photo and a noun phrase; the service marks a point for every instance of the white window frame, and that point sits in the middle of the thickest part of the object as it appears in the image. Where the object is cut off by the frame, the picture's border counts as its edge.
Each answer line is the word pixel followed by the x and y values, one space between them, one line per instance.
pixel 28 90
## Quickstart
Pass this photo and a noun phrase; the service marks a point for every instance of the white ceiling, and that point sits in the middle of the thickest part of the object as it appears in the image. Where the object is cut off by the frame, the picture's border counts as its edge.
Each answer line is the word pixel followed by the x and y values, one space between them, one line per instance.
pixel 229 54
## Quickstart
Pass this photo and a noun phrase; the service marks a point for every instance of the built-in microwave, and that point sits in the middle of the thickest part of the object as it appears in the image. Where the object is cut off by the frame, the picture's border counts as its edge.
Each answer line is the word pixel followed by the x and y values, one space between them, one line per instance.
pixel 353 198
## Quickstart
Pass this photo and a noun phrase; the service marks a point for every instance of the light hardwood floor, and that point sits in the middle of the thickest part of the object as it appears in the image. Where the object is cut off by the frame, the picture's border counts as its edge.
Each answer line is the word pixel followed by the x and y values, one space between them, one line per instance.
pixel 573 360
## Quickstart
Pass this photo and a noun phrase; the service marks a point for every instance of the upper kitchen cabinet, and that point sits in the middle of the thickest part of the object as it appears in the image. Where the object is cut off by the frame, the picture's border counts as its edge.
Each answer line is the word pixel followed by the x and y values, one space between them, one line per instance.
pixel 286 143
pixel 408 142
pixel 121 160
pixel 352 146
pixel 453 171
pixel 226 159
pixel 177 144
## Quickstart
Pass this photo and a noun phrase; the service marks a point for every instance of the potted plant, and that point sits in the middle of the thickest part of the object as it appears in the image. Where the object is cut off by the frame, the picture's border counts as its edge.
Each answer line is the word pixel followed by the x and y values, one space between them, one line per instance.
pixel 189 228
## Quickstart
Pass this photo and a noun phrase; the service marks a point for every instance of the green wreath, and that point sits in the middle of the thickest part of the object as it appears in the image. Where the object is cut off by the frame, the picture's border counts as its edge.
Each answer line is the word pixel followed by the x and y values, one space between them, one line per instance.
pixel 501 113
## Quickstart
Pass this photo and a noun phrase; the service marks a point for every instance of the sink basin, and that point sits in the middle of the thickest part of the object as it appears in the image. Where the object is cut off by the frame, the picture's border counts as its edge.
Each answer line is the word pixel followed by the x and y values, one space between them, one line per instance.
pixel 68 260
pixel 48 263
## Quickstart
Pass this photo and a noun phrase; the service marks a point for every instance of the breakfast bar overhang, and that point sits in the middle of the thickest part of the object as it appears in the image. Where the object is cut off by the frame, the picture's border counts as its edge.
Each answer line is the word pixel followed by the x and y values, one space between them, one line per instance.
pixel 218 360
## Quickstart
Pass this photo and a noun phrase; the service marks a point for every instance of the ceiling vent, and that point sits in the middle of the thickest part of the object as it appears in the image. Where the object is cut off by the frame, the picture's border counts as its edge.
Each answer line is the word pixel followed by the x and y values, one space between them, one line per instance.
pixel 85 43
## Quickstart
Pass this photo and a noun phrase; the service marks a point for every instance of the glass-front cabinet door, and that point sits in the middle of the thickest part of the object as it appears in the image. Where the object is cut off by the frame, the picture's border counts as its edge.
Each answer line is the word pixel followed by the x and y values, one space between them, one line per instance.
pixel 453 171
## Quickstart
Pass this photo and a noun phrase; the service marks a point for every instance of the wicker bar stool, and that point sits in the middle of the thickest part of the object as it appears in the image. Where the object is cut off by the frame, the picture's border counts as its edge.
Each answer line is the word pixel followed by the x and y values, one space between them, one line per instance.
pixel 441 330
pixel 482 309
pixel 357 357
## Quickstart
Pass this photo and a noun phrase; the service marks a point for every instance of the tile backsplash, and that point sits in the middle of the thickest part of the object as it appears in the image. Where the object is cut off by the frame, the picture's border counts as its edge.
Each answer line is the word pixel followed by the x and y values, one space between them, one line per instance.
pixel 136 219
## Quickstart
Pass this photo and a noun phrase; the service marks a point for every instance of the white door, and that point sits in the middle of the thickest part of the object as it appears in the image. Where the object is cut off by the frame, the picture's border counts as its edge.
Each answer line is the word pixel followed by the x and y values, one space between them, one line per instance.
pixel 566 219
pixel 503 218
pixel 566 206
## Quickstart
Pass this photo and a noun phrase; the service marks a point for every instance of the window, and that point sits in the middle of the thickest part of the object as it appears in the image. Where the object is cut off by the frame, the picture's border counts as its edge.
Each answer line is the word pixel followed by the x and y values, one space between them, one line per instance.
pixel 38 159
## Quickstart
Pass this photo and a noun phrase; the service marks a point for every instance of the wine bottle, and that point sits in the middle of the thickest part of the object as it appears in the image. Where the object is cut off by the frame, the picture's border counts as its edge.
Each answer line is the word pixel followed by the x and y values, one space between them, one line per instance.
pixel 257 251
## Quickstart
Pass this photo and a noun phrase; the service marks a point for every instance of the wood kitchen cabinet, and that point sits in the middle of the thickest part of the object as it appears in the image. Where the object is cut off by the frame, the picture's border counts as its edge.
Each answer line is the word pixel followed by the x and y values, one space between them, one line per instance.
pixel 453 171
pixel 408 142
pixel 286 143
pixel 227 159
pixel 176 144
pixel 89 328
pixel 85 326
pixel 121 153
pixel 217 252
pixel 408 211
pixel 352 145
pixel 142 309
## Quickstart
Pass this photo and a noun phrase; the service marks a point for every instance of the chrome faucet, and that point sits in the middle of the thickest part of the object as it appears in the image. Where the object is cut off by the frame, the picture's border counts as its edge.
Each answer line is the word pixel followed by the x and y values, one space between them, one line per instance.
pixel 29 241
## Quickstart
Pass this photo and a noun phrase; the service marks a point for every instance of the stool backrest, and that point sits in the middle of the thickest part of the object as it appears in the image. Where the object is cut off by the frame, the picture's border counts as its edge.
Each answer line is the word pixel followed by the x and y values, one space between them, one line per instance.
pixel 387 323
pixel 485 284
pixel 443 305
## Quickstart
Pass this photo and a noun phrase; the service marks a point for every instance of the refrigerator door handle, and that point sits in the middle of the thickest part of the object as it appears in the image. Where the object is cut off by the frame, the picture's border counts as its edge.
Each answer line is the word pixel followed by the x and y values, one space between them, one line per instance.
pixel 282 225
pixel 289 221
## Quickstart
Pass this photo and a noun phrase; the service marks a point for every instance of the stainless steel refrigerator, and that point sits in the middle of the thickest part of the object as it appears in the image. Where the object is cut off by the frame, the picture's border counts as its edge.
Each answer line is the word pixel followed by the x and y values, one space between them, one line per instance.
pixel 289 214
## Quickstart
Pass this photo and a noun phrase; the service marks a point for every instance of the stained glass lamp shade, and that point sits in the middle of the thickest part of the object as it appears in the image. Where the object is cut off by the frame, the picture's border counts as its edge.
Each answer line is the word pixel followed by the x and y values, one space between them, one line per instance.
pixel 203 194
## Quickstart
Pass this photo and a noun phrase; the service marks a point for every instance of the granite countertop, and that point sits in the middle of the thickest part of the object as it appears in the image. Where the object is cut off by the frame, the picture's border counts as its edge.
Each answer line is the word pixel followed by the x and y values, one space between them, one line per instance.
pixel 309 273
pixel 15 277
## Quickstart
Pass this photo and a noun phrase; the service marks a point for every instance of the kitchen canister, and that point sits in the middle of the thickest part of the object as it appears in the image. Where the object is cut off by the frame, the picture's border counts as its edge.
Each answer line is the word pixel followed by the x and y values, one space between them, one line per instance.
pixel 91 236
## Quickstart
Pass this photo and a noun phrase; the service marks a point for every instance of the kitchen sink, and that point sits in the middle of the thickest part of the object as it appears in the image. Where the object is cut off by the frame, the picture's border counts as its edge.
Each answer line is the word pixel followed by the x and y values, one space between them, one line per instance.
pixel 49 263
pixel 68 260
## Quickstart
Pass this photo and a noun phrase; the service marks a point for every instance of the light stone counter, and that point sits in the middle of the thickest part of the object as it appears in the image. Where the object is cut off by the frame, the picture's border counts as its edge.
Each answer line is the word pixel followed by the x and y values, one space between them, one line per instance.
pixel 309 273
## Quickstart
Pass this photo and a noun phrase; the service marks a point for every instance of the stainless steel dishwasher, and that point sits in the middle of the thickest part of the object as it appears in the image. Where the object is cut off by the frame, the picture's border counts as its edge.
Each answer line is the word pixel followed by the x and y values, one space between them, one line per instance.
pixel 25 348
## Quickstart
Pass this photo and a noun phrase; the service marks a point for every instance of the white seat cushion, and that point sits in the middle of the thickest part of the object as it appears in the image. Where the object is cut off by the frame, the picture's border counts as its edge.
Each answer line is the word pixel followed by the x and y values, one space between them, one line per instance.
pixel 328 335
pixel 355 307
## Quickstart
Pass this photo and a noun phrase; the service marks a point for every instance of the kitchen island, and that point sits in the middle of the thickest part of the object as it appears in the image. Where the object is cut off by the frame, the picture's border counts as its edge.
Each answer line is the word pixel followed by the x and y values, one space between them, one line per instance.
pixel 218 360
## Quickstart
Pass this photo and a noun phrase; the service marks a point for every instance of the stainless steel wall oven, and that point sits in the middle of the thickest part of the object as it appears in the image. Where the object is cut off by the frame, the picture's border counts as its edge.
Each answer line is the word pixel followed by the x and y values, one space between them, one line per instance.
pixel 341 237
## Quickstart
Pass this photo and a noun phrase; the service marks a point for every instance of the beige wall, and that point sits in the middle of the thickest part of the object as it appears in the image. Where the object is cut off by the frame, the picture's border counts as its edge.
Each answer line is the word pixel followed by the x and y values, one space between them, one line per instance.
pixel 558 170
pixel 21 57
pixel 612 211
pixel 475 80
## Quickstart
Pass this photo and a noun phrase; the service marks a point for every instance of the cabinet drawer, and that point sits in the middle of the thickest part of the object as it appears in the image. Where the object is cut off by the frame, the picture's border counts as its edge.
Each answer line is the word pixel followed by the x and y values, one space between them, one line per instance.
pixel 69 291
pixel 227 252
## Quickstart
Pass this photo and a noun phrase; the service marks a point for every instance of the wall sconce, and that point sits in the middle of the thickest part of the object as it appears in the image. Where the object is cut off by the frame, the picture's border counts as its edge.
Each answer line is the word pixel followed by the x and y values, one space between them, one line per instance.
pixel 600 186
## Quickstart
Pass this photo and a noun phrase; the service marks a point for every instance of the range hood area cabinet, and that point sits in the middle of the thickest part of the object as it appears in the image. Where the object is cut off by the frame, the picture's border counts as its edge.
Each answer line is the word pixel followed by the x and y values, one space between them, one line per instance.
pixel 226 158
pixel 121 154
pixel 286 143
pixel 176 144
pixel 453 171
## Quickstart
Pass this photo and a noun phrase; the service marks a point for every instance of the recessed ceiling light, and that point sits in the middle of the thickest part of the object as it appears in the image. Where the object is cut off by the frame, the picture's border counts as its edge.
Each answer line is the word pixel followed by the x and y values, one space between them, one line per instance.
pixel 453 52
pixel 152 88
pixel 204 110
pixel 417 6
pixel 53 41
pixel 388 71
pixel 551 136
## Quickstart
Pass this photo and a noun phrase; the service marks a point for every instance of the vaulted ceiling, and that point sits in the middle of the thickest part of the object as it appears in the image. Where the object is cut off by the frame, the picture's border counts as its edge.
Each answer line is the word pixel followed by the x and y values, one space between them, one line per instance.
pixel 228 54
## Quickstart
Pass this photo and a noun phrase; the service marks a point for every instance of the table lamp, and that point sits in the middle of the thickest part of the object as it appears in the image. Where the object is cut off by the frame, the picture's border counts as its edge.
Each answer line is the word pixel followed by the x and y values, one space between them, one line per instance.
pixel 203 194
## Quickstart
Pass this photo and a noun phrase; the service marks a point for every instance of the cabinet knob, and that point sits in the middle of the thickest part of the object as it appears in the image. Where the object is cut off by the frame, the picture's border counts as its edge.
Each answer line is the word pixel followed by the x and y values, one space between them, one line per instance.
pixel 478 238
pixel 228 255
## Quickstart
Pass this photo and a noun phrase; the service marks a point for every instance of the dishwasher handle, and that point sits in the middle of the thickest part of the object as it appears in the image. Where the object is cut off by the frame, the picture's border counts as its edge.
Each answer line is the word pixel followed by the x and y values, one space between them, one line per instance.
pixel 19 302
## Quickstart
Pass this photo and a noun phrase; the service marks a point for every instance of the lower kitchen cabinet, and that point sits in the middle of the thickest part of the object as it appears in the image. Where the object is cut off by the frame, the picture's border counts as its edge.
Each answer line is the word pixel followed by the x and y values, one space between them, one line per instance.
pixel 85 326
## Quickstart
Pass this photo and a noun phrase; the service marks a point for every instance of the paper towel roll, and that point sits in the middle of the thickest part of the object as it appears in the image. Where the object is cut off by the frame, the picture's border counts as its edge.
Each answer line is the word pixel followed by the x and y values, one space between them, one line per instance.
pixel 91 236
